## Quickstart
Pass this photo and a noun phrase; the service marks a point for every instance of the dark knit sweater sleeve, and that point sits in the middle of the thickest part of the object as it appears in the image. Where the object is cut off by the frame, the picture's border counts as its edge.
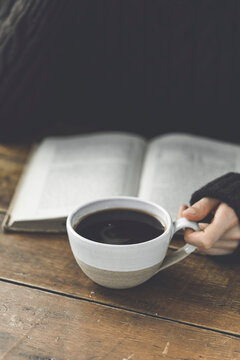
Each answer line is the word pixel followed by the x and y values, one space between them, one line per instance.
pixel 226 188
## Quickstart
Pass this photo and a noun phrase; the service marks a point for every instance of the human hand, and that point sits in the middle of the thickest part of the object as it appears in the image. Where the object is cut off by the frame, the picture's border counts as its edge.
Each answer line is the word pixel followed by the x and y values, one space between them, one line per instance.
pixel 221 236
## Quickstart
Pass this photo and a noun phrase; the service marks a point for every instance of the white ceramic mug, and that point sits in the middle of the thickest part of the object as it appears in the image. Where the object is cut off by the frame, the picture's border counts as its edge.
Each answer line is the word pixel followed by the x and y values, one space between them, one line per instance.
pixel 124 266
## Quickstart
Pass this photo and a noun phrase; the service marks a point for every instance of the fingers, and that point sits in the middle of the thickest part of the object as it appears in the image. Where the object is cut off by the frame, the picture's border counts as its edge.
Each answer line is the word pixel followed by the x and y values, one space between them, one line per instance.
pixel 233 233
pixel 217 251
pixel 221 236
pixel 227 244
pixel 200 209
pixel 180 211
pixel 224 220
pixel 224 246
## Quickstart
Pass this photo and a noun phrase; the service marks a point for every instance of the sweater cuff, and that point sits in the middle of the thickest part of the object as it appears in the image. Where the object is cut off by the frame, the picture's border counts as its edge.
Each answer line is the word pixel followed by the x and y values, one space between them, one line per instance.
pixel 226 188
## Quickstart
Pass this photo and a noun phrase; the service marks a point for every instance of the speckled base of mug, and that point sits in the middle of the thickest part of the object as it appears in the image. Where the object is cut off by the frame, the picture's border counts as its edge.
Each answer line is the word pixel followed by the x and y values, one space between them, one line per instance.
pixel 118 279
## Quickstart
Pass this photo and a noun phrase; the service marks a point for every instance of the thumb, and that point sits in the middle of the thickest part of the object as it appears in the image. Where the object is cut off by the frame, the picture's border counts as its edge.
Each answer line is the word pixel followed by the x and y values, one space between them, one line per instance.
pixel 200 209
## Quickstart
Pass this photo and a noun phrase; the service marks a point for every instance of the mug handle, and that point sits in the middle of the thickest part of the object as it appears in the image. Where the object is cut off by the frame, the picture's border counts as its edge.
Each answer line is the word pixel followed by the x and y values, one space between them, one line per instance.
pixel 184 251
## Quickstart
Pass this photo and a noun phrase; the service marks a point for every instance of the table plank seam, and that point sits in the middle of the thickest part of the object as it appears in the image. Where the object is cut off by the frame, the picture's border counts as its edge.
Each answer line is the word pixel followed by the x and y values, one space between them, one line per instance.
pixel 58 293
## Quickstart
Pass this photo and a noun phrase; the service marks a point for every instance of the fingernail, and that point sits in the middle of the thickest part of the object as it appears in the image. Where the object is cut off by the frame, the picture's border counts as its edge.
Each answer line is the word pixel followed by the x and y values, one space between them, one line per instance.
pixel 190 210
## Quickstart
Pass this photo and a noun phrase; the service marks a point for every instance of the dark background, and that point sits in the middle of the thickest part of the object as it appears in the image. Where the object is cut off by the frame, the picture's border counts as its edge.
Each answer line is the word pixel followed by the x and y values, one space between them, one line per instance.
pixel 70 66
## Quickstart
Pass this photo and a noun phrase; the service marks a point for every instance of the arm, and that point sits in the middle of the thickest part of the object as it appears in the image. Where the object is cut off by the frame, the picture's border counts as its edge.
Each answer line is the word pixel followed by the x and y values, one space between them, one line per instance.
pixel 221 199
pixel 30 38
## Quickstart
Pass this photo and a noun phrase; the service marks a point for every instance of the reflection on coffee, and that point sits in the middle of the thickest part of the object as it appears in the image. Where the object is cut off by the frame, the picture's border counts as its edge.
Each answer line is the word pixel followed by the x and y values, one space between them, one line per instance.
pixel 120 226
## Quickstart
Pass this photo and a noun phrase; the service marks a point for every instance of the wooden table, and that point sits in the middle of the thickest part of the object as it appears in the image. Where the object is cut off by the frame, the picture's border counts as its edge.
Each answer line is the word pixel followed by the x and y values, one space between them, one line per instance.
pixel 50 310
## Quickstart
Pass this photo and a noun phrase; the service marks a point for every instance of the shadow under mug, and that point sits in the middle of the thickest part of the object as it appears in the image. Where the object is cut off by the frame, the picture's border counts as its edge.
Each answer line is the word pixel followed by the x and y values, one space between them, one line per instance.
pixel 125 266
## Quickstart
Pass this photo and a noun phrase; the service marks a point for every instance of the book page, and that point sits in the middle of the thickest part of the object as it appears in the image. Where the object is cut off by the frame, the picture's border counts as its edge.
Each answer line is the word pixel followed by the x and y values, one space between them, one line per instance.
pixel 176 165
pixel 66 172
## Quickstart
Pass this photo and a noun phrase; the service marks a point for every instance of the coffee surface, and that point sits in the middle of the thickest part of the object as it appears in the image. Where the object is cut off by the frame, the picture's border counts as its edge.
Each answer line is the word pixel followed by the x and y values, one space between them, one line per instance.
pixel 119 226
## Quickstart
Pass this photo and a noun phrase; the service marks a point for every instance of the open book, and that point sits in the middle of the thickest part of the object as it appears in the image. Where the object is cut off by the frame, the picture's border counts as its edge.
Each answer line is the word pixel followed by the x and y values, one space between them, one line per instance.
pixel 65 172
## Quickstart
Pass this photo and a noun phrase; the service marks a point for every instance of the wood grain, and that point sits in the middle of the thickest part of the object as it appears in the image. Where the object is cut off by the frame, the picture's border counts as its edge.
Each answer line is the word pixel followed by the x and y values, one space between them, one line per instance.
pixel 17 152
pixel 199 290
pixel 12 161
pixel 48 326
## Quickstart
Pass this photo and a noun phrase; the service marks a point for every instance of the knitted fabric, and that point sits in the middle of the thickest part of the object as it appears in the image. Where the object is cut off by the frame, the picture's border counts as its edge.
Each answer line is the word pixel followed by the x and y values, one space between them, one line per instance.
pixel 226 188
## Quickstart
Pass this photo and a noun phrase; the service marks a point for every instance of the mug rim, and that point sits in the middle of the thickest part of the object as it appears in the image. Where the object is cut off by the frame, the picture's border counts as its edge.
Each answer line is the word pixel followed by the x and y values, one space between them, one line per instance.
pixel 79 238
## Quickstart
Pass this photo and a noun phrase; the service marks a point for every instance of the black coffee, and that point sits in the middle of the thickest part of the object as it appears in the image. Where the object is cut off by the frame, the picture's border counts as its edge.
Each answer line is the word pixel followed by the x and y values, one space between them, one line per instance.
pixel 119 226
